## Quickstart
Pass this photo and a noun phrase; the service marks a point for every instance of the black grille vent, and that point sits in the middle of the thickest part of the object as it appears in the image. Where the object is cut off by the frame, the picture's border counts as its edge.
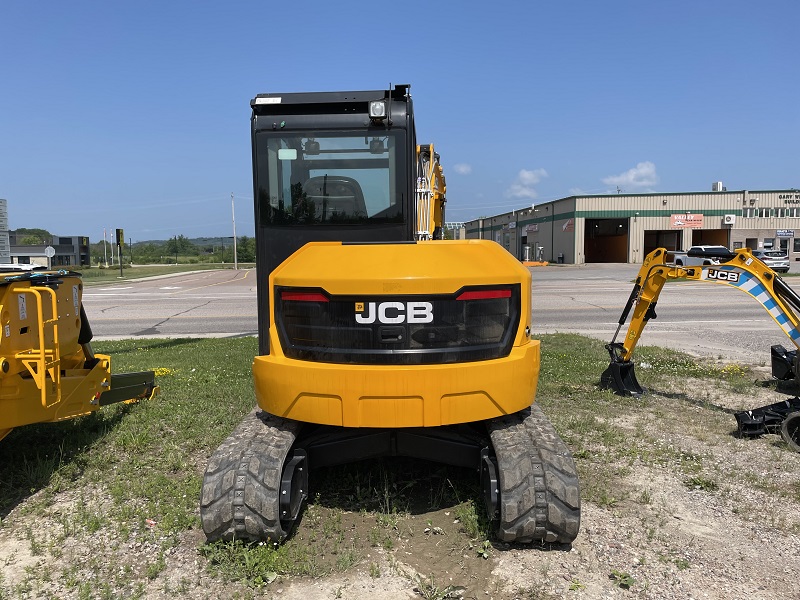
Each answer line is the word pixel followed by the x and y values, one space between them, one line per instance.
pixel 475 323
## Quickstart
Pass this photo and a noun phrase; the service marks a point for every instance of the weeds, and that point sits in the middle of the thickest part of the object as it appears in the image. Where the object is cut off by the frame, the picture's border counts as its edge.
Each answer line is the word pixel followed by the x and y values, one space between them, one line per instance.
pixel 427 588
pixel 484 550
pixel 701 483
pixel 622 579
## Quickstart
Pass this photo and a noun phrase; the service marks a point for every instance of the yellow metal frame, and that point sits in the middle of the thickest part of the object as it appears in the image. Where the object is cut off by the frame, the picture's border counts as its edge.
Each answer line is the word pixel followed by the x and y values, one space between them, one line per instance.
pixel 656 271
pixel 43 374
pixel 46 374
pixel 430 193
pixel 42 361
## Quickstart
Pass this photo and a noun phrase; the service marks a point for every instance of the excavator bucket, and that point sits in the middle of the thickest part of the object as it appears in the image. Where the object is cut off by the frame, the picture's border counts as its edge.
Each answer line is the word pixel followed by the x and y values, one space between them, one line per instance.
pixel 620 378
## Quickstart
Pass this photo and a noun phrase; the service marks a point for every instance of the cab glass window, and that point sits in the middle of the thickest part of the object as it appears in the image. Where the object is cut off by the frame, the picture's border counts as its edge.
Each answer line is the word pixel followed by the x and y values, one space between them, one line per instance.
pixel 320 178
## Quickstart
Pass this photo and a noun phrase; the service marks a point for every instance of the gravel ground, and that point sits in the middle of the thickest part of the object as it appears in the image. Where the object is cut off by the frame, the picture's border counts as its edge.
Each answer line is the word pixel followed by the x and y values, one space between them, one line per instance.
pixel 732 532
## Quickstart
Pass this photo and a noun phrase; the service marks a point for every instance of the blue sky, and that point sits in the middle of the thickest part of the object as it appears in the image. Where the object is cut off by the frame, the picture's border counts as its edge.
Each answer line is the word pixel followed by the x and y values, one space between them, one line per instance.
pixel 136 115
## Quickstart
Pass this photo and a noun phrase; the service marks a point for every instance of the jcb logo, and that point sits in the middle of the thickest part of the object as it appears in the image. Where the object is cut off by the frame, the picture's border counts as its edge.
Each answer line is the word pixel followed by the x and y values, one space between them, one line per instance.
pixel 731 276
pixel 391 313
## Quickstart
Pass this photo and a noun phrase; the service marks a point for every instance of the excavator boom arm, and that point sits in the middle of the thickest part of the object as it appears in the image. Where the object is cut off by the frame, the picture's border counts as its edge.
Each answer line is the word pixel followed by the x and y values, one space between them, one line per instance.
pixel 741 270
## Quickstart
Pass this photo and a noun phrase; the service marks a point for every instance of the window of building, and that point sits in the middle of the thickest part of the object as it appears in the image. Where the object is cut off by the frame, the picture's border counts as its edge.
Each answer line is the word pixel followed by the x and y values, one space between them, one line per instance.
pixel 769 242
pixel 64 241
pixel 793 212
pixel 780 212
pixel 749 212
pixel 765 213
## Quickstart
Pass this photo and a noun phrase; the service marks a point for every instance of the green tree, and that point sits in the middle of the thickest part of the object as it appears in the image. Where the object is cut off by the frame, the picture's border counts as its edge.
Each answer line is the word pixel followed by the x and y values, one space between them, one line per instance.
pixel 33 237
pixel 180 244
pixel 246 249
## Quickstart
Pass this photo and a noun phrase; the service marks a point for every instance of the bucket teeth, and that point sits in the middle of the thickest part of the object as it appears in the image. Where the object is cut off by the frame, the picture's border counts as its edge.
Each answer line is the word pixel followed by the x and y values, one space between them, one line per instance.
pixel 620 378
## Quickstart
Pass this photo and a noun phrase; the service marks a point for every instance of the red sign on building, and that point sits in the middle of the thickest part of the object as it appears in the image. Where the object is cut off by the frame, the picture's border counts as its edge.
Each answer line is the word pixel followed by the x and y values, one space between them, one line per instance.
pixel 686 221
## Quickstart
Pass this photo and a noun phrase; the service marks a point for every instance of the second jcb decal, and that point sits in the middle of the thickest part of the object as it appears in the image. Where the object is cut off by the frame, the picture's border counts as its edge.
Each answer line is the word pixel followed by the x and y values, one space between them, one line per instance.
pixel 731 276
pixel 392 313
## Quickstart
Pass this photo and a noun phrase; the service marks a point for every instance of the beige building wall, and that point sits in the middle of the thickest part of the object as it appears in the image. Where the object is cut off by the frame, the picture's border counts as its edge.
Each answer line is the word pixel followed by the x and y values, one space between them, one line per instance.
pixel 564 228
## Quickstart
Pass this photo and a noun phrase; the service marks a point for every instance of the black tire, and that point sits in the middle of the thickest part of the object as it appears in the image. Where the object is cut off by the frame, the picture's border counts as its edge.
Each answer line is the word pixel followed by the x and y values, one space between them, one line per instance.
pixel 539 492
pixel 240 494
pixel 790 431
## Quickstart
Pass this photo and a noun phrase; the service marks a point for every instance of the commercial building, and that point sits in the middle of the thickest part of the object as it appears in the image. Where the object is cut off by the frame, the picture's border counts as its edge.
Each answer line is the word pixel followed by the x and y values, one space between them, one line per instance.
pixel 72 251
pixel 624 228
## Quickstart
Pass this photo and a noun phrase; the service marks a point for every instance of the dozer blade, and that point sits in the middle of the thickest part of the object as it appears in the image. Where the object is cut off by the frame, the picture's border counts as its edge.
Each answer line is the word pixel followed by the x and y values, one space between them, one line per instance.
pixel 620 378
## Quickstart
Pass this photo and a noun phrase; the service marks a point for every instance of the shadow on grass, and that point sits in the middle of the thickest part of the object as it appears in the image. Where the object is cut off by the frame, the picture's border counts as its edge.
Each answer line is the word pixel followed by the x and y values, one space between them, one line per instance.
pixel 693 401
pixel 392 485
pixel 32 455
pixel 135 345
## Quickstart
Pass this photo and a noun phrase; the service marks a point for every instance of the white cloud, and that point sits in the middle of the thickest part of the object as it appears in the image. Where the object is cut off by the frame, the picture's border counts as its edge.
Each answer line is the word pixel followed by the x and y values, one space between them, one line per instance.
pixel 642 175
pixel 523 185
pixel 462 168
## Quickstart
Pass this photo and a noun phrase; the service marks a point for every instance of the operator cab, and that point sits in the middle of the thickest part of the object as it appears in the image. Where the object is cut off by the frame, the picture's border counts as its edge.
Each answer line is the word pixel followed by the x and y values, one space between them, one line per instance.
pixel 330 166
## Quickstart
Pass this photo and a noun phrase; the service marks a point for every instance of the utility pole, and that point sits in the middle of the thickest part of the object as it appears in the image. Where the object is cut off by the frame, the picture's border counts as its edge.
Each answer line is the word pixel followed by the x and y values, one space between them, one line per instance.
pixel 233 216
pixel 120 242
pixel 105 250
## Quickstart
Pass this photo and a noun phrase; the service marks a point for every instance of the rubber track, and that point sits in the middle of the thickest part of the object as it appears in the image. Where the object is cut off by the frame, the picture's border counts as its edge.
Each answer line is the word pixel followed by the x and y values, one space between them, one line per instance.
pixel 539 493
pixel 790 430
pixel 239 499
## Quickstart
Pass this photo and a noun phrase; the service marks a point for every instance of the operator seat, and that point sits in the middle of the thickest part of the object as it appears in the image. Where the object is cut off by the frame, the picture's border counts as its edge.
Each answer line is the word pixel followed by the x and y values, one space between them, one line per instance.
pixel 335 194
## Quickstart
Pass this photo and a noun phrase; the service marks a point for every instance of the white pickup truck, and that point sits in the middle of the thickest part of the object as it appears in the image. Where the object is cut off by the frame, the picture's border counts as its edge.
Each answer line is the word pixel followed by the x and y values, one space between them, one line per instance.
pixel 701 255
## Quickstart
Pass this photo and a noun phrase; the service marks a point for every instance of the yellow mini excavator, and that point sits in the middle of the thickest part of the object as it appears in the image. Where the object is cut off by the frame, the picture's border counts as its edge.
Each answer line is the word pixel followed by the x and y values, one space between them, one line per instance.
pixel 48 371
pixel 376 336
pixel 740 270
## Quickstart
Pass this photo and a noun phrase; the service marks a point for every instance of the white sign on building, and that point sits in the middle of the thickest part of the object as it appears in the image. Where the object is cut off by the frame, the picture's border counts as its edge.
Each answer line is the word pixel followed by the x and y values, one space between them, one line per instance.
pixel 5 246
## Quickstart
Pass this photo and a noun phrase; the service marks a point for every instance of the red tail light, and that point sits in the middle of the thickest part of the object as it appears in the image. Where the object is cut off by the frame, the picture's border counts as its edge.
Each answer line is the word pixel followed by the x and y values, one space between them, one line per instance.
pixel 484 295
pixel 303 297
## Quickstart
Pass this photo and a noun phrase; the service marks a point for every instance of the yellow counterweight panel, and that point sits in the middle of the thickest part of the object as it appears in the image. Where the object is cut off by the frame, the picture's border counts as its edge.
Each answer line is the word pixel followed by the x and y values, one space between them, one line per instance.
pixel 399 395
pixel 434 267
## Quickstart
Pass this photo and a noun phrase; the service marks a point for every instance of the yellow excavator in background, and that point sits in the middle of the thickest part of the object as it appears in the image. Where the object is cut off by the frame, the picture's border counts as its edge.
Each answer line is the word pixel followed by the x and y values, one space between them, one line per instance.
pixel 743 271
pixel 48 371
pixel 376 336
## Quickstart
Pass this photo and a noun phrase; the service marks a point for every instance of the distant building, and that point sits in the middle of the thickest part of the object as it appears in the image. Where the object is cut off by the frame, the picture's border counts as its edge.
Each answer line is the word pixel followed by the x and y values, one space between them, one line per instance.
pixel 5 248
pixel 72 251
pixel 624 228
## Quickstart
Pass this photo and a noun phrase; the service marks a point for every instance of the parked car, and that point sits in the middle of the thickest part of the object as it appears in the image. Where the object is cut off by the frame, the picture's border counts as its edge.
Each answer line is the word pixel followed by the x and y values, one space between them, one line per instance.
pixel 777 260
pixel 700 255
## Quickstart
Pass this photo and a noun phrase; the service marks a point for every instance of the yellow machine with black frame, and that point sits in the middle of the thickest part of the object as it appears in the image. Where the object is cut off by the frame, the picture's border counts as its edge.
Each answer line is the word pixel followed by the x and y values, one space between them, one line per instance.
pixel 377 337
pixel 48 371
pixel 743 271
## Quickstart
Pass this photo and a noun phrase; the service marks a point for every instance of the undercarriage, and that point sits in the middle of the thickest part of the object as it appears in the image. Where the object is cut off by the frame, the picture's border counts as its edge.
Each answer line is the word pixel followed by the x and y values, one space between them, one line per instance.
pixel 257 480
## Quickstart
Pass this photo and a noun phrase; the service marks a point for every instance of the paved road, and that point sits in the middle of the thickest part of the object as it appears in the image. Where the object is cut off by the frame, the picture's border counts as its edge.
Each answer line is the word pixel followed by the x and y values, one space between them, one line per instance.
pixel 201 304
pixel 702 318
pixel 712 320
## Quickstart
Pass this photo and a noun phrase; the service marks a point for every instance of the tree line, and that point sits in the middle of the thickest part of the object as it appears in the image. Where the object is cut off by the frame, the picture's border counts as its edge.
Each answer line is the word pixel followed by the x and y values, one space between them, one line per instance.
pixel 177 249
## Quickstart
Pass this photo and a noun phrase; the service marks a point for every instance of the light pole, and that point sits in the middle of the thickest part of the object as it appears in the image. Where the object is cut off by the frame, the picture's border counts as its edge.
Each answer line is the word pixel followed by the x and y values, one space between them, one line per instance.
pixel 233 216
